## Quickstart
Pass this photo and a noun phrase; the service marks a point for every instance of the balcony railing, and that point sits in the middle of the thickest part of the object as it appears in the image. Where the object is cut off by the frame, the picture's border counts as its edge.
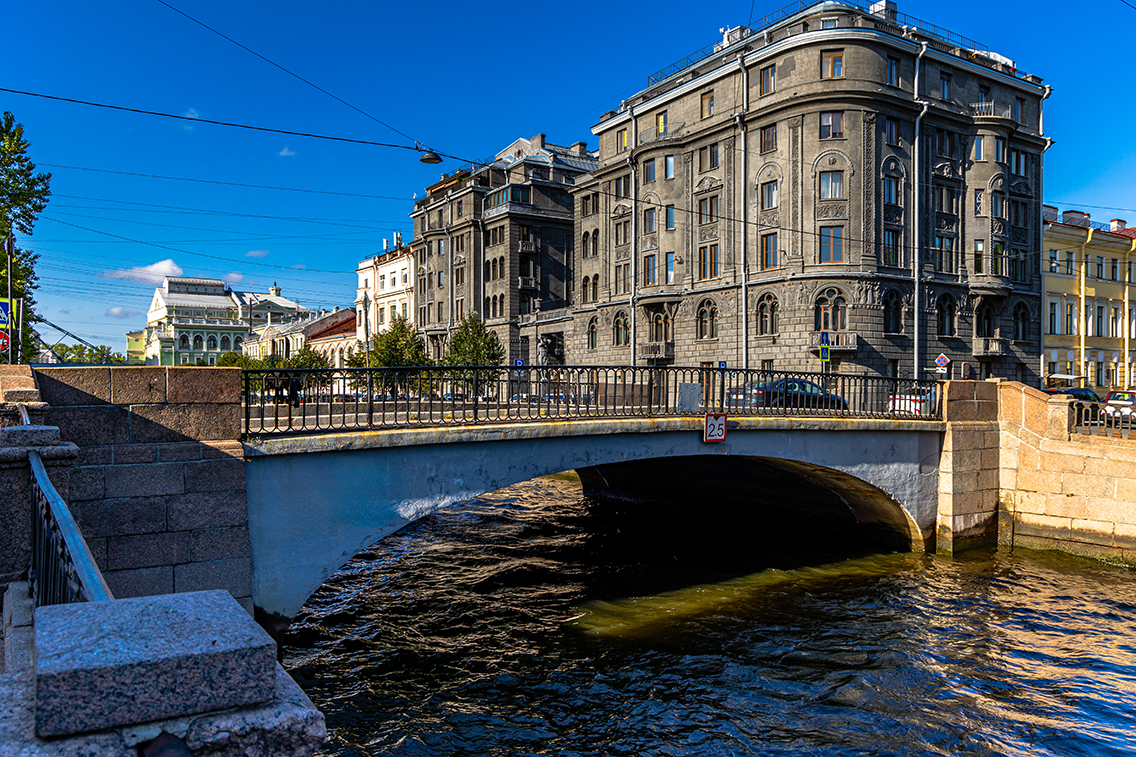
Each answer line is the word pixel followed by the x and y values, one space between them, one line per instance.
pixel 527 282
pixel 989 346
pixel 670 131
pixel 526 246
pixel 990 109
pixel 837 340
pixel 658 350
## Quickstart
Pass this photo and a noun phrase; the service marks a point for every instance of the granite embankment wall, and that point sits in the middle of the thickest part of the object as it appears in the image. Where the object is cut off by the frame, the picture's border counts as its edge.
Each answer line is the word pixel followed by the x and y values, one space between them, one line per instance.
pixel 158 488
pixel 1059 488
pixel 968 466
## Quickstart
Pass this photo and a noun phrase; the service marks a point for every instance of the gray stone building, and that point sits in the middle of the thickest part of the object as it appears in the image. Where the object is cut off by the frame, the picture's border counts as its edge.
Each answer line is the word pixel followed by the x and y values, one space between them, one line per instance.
pixel 774 193
pixel 497 240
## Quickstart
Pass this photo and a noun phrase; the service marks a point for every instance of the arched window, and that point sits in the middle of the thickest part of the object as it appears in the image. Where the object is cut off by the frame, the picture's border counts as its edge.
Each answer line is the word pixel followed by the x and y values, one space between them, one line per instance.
pixel 486 308
pixel 661 328
pixel 238 342
pixel 198 342
pixel 501 266
pixel 945 310
pixel 212 342
pixel 595 288
pixel 183 343
pixel 494 269
pixel 984 324
pixel 592 329
pixel 494 301
pixel 587 289
pixel 893 313
pixel 595 242
pixel 831 313
pixel 225 343
pixel 587 247
pixel 767 315
pixel 707 320
pixel 621 330
pixel 1021 322
pixel 487 271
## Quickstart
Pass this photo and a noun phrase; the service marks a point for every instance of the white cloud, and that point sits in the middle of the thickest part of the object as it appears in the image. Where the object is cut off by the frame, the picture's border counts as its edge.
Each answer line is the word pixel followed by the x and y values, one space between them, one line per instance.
pixel 147 274
pixel 120 312
pixel 256 254
pixel 65 312
pixel 191 113
pixel 233 278
pixel 286 152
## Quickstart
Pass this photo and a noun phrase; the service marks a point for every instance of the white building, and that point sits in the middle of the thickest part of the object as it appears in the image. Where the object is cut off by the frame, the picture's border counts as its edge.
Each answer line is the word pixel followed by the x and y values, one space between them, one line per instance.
pixel 385 290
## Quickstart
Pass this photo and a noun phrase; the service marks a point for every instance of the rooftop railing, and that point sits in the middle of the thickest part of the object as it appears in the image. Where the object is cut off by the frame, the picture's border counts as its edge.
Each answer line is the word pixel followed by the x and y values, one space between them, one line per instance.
pixel 305 401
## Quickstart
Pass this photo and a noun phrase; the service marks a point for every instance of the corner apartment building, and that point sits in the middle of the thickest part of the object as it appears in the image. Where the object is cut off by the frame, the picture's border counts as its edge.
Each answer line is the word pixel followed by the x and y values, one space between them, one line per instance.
pixel 838 172
pixel 385 289
pixel 1089 309
pixel 497 240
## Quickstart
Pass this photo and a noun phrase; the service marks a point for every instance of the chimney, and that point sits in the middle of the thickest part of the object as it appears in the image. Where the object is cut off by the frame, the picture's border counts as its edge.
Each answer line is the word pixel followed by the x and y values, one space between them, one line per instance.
pixel 883 8
pixel 580 148
pixel 538 141
pixel 1117 224
pixel 1075 218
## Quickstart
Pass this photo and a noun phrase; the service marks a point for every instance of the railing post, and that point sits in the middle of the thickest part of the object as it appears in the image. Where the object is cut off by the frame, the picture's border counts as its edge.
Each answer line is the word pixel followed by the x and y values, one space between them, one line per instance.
pixel 370 398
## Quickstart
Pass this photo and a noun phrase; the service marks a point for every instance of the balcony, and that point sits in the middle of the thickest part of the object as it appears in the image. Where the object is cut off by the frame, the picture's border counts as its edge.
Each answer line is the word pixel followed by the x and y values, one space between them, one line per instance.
pixel 989 346
pixel 527 282
pixel 990 109
pixel 671 131
pixel 527 246
pixel 838 341
pixel 989 283
pixel 658 350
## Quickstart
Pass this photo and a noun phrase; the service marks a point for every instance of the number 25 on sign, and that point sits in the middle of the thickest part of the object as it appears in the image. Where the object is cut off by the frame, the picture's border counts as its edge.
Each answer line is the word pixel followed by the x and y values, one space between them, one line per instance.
pixel 715 429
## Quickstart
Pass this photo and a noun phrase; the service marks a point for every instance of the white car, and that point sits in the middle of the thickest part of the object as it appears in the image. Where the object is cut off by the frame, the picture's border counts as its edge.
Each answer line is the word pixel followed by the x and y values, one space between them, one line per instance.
pixel 1119 406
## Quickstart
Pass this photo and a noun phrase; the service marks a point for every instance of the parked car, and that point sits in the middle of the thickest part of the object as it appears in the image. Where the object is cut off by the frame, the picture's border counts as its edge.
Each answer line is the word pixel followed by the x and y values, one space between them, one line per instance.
pixel 1118 407
pixel 786 392
pixel 453 397
pixel 1078 392
pixel 923 403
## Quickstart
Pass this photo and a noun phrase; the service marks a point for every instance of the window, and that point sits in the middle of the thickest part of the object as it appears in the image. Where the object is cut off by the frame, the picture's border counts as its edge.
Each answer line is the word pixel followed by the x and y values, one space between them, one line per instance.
pixel 979 255
pixel 891 190
pixel 893 312
pixel 622 232
pixel 891 248
pixel 1021 322
pixel 649 221
pixel 769 195
pixel 769 138
pixel 998 204
pixel 944 143
pixel 592 329
pixel 1054 266
pixel 979 148
pixel 670 219
pixel 1018 162
pixel 707 320
pixel 623 278
pixel 669 167
pixel 621 330
pixel 828 23
pixel 595 289
pixel 944 199
pixel 708 209
pixel 830 312
pixel 767 315
pixel 183 342
pixel 769 80
pixel 944 254
pixel 708 157
pixel 650 273
pixel 832 125
pixel 831 185
pixel 768 251
pixel 1100 268
pixel 623 186
pixel 660 328
pixel 708 262
pixel 944 87
pixel 996 259
pixel 441 313
pixel 459 208
pixel 595 243
pixel 832 64
pixel 670 272
pixel 459 309
pixel 983 94
pixel 198 342
pixel 585 289
pixel 891 131
pixel 1115 269
pixel 1019 108
pixel 707 104
pixel 1052 324
pixel 1000 149
pixel 648 171
pixel 979 202
pixel 832 244
pixel 1070 319
pixel 621 140
pixel 225 342
pixel 984 323
pixel 945 312
pixel 661 124
pixel 893 72
pixel 586 246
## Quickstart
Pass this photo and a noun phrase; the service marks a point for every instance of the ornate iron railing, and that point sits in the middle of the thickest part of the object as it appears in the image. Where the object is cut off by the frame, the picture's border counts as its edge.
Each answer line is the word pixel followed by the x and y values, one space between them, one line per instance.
pixel 63 569
pixel 298 401
pixel 1102 419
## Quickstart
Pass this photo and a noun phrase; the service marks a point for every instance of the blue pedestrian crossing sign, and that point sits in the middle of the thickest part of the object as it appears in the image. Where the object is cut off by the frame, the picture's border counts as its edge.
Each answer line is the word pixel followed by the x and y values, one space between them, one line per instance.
pixel 5 311
pixel 824 339
pixel 824 353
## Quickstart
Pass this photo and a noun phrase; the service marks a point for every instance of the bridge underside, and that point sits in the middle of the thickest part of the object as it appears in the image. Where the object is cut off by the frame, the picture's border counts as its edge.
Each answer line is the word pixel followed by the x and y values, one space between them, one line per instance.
pixel 315 502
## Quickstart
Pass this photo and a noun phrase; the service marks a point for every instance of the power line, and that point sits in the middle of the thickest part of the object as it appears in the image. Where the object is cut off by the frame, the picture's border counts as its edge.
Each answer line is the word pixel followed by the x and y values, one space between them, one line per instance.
pixel 290 73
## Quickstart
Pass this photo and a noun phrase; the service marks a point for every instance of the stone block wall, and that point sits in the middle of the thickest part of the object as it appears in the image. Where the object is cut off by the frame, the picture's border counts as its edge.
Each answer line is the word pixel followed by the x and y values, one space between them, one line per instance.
pixel 158 489
pixel 968 466
pixel 1061 489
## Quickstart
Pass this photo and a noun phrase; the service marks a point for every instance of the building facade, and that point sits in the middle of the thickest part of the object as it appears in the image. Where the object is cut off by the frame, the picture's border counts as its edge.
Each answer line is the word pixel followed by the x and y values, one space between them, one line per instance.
pixel 192 321
pixel 834 173
pixel 498 241
pixel 1089 317
pixel 385 290
pixel 285 339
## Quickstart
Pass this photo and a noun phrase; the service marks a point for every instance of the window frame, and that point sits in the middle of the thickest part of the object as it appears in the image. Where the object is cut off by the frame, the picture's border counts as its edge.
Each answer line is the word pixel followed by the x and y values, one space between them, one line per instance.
pixel 706 104
pixel 830 185
pixel 835 124
pixel 832 64
pixel 768 83
pixel 832 241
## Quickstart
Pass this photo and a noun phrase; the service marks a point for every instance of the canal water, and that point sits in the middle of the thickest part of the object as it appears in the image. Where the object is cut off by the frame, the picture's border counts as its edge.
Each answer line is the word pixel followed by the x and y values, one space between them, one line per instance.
pixel 534 621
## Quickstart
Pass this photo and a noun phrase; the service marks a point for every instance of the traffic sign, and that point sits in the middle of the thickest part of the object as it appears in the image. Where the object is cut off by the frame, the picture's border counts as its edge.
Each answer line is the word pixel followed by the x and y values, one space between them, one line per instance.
pixel 824 339
pixel 518 361
pixel 715 428
pixel 940 370
pixel 942 360
pixel 824 353
pixel 722 364
pixel 5 310
pixel 3 340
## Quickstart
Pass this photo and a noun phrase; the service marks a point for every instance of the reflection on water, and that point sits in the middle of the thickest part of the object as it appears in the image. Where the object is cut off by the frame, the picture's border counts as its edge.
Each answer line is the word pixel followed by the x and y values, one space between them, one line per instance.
pixel 535 622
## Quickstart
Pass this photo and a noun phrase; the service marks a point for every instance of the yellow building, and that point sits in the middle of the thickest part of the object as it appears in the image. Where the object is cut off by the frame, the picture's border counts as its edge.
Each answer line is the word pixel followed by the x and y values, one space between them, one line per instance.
pixel 1088 313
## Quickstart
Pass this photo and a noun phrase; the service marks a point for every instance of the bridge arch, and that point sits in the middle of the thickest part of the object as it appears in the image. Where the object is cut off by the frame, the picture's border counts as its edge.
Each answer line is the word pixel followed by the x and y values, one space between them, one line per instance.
pixel 315 502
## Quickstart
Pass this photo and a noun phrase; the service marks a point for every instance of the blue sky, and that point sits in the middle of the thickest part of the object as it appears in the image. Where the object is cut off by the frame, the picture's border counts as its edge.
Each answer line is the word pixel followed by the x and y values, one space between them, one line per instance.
pixel 464 78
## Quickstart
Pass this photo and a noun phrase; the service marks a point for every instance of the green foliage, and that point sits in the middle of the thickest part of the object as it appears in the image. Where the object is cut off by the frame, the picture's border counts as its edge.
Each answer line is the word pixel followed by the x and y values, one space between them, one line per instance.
pixel 79 353
pixel 399 346
pixel 307 358
pixel 233 359
pixel 23 192
pixel 473 344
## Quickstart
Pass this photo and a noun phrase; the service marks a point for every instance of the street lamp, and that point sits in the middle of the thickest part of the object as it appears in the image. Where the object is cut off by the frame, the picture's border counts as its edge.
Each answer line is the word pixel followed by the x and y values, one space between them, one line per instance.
pixel 428 156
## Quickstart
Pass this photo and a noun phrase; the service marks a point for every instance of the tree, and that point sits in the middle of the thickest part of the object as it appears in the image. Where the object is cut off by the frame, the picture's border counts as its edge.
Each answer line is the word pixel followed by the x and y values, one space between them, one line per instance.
pixel 79 353
pixel 23 192
pixel 473 344
pixel 308 358
pixel 233 359
pixel 399 346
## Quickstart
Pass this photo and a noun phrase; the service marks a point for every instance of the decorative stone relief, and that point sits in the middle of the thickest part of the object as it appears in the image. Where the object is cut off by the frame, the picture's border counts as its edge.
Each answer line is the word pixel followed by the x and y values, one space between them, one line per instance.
pixel 945 169
pixel 650 242
pixel 707 184
pixel 707 233
pixel 998 227
pixel 893 214
pixel 1020 235
pixel 620 210
pixel 1021 187
pixel 770 219
pixel 623 253
pixel 946 223
pixel 832 210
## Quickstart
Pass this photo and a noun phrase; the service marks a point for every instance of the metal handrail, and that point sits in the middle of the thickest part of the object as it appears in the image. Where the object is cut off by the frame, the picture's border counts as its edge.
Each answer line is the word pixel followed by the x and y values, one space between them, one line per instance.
pixel 277 401
pixel 63 569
